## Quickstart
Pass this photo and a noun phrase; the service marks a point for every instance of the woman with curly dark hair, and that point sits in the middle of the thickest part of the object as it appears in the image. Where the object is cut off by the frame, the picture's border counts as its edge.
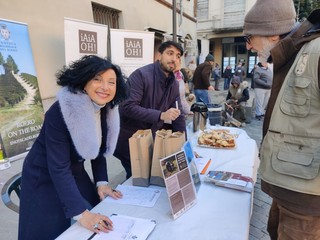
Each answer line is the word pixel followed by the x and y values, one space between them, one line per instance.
pixel 83 124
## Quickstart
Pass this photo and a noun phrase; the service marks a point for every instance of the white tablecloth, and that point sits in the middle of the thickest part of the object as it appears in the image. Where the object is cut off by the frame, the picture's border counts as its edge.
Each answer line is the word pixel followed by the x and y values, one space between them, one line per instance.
pixel 242 159
pixel 220 213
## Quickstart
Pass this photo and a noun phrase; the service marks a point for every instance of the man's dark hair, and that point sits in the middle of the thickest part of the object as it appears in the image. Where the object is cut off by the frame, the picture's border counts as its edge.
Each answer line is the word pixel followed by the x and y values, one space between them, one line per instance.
pixel 167 44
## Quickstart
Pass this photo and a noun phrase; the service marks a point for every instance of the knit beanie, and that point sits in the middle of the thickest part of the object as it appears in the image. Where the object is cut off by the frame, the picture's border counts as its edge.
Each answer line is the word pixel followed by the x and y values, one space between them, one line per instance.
pixel 236 80
pixel 209 57
pixel 270 18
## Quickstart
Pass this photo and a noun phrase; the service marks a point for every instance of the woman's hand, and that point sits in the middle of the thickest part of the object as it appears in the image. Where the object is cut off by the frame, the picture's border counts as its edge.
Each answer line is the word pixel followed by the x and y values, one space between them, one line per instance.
pixel 105 190
pixel 95 222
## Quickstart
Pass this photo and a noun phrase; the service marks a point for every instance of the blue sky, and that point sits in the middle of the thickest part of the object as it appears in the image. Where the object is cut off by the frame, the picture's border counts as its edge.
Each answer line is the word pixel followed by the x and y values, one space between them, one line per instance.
pixel 19 42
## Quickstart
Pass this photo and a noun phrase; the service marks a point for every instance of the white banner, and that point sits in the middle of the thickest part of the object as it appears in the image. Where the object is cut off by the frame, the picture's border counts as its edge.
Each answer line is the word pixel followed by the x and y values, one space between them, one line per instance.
pixel 84 38
pixel 21 111
pixel 131 49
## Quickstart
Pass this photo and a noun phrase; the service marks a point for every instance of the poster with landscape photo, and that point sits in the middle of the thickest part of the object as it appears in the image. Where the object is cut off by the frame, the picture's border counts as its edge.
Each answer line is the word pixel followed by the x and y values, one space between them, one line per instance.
pixel 21 110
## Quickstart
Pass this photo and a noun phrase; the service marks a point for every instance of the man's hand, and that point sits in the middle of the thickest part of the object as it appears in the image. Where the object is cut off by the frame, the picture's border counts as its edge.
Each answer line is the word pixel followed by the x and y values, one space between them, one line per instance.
pixel 170 115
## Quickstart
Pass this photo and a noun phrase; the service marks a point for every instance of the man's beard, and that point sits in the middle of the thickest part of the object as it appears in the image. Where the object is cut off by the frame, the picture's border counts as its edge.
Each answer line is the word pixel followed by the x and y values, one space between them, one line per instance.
pixel 166 68
pixel 264 54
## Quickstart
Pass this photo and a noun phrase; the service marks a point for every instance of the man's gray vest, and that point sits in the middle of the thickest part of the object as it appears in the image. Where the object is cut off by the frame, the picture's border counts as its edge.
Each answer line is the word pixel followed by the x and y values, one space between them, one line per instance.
pixel 236 93
pixel 290 152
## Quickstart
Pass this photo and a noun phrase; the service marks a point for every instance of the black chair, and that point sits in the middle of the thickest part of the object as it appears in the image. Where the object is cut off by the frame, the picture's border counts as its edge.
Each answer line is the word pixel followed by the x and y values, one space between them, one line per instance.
pixel 13 184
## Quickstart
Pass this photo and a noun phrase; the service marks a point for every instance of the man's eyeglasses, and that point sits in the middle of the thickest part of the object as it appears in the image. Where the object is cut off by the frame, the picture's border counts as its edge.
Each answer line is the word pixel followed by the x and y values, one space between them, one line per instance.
pixel 248 39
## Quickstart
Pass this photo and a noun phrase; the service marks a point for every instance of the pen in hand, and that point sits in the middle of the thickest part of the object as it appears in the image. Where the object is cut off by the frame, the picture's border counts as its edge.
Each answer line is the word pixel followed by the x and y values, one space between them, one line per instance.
pixel 109 226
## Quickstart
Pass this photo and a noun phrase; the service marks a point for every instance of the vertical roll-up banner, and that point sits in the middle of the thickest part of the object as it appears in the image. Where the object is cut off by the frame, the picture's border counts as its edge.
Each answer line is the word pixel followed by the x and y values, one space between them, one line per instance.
pixel 21 110
pixel 131 49
pixel 84 38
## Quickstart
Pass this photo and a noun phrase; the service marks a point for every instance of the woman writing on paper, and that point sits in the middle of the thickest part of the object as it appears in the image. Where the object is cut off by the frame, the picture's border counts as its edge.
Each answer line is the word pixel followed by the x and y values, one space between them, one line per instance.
pixel 83 124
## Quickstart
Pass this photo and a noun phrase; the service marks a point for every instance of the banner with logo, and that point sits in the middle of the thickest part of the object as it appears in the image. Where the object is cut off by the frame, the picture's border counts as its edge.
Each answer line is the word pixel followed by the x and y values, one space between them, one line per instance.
pixel 131 49
pixel 21 110
pixel 84 38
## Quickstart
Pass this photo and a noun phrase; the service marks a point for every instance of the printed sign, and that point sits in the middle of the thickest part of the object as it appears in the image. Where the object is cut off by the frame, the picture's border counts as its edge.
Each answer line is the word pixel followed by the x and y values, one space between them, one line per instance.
pixel 88 42
pixel 84 38
pixel 131 49
pixel 21 110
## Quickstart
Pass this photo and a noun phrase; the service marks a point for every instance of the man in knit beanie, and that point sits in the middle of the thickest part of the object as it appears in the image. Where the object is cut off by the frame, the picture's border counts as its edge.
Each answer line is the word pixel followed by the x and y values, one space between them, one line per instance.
pixel 268 19
pixel 290 159
pixel 209 58
pixel 201 80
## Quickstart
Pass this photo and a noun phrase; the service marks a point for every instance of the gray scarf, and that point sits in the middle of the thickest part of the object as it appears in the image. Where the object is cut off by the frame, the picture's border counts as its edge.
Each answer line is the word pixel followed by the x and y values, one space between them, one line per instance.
pixel 78 114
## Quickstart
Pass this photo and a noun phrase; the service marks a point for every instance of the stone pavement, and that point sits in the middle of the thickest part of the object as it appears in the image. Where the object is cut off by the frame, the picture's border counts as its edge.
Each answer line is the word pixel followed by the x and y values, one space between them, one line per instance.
pixel 261 202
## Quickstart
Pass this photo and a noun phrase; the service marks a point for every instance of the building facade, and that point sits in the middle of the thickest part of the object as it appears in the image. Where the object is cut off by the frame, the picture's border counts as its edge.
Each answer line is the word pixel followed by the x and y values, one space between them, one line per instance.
pixel 45 20
pixel 219 31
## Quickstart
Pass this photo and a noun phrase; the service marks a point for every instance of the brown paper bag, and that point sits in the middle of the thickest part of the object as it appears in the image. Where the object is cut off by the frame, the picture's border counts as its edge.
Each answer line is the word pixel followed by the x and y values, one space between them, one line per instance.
pixel 165 144
pixel 141 147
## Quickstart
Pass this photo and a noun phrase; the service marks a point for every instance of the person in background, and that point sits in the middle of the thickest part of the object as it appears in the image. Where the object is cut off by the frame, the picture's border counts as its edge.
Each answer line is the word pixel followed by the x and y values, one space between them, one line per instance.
pixel 262 79
pixel 82 125
pixel 289 166
pixel 252 75
pixel 240 71
pixel 192 66
pixel 243 65
pixel 153 103
pixel 182 89
pixel 187 75
pixel 227 74
pixel 216 76
pixel 237 97
pixel 201 80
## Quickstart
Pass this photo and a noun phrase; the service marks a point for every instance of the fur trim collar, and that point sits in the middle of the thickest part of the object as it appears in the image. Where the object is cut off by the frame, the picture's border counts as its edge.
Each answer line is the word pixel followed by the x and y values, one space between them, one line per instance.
pixel 78 114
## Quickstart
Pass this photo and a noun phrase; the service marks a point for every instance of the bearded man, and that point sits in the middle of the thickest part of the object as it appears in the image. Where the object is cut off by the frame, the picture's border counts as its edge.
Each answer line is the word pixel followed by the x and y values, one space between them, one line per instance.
pixel 290 151
pixel 152 102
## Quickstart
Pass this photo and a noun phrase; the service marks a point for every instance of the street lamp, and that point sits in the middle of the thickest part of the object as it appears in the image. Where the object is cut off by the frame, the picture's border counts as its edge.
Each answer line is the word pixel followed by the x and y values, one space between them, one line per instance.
pixel 174 20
